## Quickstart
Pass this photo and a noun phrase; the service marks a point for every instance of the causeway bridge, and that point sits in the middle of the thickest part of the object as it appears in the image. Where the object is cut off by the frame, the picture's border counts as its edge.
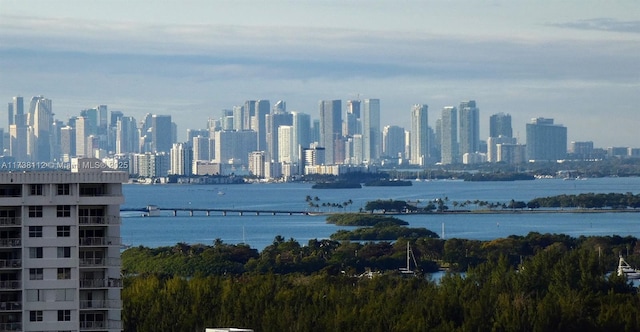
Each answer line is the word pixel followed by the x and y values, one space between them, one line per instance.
pixel 154 211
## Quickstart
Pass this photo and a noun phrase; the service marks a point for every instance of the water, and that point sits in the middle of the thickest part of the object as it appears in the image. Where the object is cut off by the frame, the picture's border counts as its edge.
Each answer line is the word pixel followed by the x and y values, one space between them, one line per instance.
pixel 260 231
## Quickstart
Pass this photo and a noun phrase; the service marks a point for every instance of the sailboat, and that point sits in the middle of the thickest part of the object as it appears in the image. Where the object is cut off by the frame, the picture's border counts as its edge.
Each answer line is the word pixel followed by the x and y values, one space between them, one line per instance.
pixel 407 270
pixel 625 269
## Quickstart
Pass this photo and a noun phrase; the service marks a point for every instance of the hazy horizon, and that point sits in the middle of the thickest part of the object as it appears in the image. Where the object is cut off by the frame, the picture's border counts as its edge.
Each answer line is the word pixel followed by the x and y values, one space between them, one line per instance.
pixel 575 61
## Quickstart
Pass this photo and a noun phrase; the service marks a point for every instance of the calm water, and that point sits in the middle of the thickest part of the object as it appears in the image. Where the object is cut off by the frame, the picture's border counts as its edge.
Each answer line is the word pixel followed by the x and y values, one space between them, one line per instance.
pixel 259 231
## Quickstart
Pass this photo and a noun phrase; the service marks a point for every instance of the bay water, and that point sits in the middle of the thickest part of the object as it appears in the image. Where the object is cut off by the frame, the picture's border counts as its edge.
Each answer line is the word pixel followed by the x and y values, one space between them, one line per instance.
pixel 260 231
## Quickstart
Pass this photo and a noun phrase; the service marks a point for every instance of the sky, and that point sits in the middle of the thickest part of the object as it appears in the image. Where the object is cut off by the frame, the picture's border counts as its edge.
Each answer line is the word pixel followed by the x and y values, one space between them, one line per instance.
pixel 575 61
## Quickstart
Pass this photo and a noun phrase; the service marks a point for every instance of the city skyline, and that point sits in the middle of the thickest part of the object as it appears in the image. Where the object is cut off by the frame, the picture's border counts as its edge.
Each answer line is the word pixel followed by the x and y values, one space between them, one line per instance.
pixel 569 61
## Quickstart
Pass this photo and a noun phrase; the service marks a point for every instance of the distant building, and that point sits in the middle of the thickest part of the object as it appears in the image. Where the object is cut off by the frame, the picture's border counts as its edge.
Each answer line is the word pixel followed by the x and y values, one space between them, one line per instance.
pixel 419 135
pixel 512 154
pixel 449 135
pixel 492 146
pixel 500 125
pixel 469 118
pixel 330 129
pixel 546 141
pixel 393 142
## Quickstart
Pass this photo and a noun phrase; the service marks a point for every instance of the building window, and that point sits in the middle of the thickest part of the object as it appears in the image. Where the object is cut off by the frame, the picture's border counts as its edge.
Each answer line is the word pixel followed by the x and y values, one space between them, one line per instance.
pixel 35 211
pixel 35 274
pixel 64 315
pixel 64 231
pixel 35 190
pixel 63 211
pixel 64 189
pixel 35 316
pixel 35 231
pixel 64 252
pixel 35 252
pixel 64 273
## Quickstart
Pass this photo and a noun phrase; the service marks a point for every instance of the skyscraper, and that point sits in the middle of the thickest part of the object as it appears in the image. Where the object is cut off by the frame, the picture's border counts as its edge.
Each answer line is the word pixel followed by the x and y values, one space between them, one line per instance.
pixel 40 119
pixel 181 159
pixel 393 141
pixel 330 128
pixel 352 121
pixel 301 134
pixel 500 125
pixel 126 135
pixel 469 127
pixel 162 133
pixel 248 112
pixel 262 109
pixel 371 134
pixel 546 141
pixel 419 135
pixel 273 122
pixel 81 137
pixel 449 135
pixel 61 250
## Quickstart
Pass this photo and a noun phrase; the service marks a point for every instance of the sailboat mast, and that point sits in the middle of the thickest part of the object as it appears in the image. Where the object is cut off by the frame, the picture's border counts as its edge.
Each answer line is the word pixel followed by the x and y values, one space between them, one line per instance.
pixel 408 249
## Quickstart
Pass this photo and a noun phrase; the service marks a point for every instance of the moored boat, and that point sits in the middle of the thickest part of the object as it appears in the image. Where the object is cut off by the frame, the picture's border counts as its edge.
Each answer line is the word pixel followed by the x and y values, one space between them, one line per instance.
pixel 625 269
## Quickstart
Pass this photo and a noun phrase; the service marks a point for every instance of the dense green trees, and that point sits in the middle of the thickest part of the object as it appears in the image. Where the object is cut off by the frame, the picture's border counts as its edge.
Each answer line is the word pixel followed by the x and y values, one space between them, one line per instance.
pixel 589 201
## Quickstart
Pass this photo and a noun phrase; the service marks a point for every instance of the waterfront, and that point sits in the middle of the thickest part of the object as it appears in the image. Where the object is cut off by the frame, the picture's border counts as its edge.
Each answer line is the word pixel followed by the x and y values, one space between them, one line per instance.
pixel 259 231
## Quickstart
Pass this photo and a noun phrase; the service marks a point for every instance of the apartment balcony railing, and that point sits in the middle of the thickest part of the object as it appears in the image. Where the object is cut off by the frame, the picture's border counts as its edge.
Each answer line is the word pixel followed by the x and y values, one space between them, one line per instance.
pixel 99 262
pixel 100 304
pixel 10 327
pixel 100 241
pixel 10 263
pixel 99 220
pixel 87 325
pixel 10 243
pixel 100 283
pixel 10 221
pixel 10 284
pixel 8 306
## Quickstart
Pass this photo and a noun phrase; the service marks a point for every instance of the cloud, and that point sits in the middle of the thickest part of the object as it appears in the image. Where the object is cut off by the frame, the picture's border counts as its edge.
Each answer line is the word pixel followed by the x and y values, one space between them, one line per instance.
pixel 602 24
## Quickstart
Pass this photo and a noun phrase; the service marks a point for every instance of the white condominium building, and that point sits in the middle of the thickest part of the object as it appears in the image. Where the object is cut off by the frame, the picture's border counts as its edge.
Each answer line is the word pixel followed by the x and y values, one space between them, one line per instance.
pixel 60 249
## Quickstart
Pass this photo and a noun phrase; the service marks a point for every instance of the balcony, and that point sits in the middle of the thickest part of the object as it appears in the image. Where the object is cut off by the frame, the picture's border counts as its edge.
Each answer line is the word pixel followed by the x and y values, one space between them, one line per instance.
pixel 88 325
pixel 10 263
pixel 100 283
pixel 10 243
pixel 10 327
pixel 100 304
pixel 9 306
pixel 100 241
pixel 99 220
pixel 100 262
pixel 10 221
pixel 10 284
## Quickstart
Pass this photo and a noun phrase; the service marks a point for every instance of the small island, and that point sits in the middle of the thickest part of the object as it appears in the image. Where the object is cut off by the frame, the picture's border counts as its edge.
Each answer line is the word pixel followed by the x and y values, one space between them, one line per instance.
pixel 337 185
pixel 363 219
pixel 388 183
pixel 498 177
pixel 384 231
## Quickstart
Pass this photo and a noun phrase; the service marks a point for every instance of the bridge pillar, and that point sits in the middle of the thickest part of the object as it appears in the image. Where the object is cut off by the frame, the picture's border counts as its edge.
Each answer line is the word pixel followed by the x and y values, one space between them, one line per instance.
pixel 257 213
pixel 240 213
pixel 290 213
pixel 208 213
pixel 224 213
pixel 273 214
pixel 175 212
pixel 190 213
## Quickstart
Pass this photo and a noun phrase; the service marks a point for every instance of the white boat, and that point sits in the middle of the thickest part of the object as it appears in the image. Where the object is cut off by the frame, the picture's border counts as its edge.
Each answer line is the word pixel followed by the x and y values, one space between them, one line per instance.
pixel 625 269
pixel 407 270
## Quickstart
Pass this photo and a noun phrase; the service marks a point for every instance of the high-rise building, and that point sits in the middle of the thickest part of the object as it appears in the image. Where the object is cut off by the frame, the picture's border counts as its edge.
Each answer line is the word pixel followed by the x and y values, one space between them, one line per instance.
pixel 419 135
pixel 181 159
pixel 162 133
pixel 352 122
pixel 492 146
pixel 127 138
pixel 330 128
pixel 10 118
pixel 234 146
pixel 393 142
pixel 469 127
pixel 81 137
pixel 238 118
pixel 61 249
pixel 301 134
pixel 40 119
pixel 449 136
pixel 249 111
pixel 67 143
pixel 273 122
pixel 20 117
pixel 546 141
pixel 285 144
pixel 201 149
pixel 371 133
pixel 262 109
pixel 500 125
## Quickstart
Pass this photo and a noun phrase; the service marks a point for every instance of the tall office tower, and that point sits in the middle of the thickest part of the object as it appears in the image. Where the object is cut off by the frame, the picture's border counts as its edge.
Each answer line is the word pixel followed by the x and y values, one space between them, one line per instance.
pixel 257 161
pixel 10 119
pixel 273 122
pixel 115 116
pixel 263 107
pixel 285 144
pixel 301 123
pixel 546 141
pixel 61 250
pixel 512 154
pixel 279 107
pixel 92 146
pixel 449 132
pixel 91 121
pixel 492 146
pixel 81 136
pixel 201 149
pixel 393 141
pixel 18 142
pixel 330 128
pixel 314 156
pixel 238 118
pixel 234 146
pixel 56 128
pixel 193 133
pixel 371 133
pixel 112 130
pixel 127 138
pixel 500 125
pixel 353 150
pixel 419 135
pixel 161 133
pixel 315 131
pixel 469 127
pixel 249 111
pixel 352 122
pixel 181 159
pixel 67 143
pixel 40 118
pixel 20 117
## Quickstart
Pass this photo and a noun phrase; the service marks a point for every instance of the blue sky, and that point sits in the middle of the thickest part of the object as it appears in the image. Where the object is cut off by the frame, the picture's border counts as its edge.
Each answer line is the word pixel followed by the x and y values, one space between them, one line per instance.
pixel 575 61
